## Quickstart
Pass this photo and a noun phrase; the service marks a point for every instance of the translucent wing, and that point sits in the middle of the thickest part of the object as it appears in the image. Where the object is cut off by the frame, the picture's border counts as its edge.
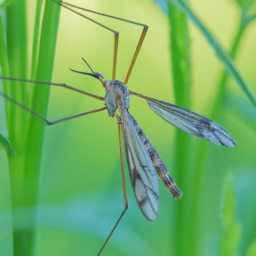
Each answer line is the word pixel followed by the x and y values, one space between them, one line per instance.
pixel 158 163
pixel 190 122
pixel 142 172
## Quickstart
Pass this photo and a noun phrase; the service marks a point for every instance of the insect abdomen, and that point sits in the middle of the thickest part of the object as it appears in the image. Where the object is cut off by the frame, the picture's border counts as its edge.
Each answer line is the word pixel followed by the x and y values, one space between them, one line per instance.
pixel 158 164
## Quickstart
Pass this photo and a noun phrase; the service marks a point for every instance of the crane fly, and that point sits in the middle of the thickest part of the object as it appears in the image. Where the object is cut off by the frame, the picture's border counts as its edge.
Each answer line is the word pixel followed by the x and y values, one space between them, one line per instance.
pixel 144 163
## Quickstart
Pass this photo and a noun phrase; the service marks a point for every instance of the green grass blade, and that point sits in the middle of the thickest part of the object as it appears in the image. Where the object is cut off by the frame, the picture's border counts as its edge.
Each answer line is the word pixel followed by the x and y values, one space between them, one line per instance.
pixel 224 77
pixel 4 64
pixel 221 53
pixel 251 18
pixel 245 4
pixel 6 145
pixel 231 230
pixel 2 5
pixel 240 107
pixel 252 249
pixel 3 55
pixel 36 39
pixel 202 157
pixel 40 100
pixel 16 37
pixel 219 102
pixel 180 54
pixel 180 58
pixel 24 166
pixel 17 56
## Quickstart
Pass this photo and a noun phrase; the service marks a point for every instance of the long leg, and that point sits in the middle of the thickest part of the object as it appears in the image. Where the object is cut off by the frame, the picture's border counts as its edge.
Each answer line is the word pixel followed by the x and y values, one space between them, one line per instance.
pixel 116 34
pixel 119 124
pixel 44 120
pixel 55 84
pixel 143 34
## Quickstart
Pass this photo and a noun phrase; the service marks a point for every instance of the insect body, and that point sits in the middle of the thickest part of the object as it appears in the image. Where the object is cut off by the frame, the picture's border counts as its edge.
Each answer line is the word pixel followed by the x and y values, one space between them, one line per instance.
pixel 116 90
pixel 142 172
pixel 144 163
pixel 143 160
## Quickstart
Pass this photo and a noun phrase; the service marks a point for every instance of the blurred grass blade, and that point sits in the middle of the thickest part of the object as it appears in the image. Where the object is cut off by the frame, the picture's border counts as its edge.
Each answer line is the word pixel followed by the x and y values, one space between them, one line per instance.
pixel 25 132
pixel 221 53
pixel 240 107
pixel 4 65
pixel 245 4
pixel 218 105
pixel 251 18
pixel 36 39
pixel 180 55
pixel 16 39
pixel 6 145
pixel 41 93
pixel 39 102
pixel 2 5
pixel 181 70
pixel 231 230
pixel 245 20
pixel 3 53
pixel 252 249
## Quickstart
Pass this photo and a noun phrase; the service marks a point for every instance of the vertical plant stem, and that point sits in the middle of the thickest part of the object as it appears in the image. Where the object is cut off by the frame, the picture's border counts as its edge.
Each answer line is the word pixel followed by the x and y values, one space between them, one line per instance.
pixel 35 132
pixel 180 57
pixel 221 53
pixel 25 132
pixel 17 56
pixel 40 98
pixel 203 149
pixel 224 77
pixel 36 39
pixel 4 60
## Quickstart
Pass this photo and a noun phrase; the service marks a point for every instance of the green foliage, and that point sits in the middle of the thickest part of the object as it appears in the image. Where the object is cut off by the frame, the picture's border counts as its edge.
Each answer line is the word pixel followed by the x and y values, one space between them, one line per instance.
pixel 231 230
pixel 6 145
pixel 248 11
pixel 5 3
pixel 220 52
pixel 180 56
pixel 241 108
pixel 36 39
pixel 25 133
pixel 3 53
pixel 245 4
pixel 181 70
pixel 80 185
pixel 252 249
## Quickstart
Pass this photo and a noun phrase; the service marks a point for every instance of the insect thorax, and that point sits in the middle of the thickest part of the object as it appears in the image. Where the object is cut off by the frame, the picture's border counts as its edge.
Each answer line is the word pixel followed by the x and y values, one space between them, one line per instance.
pixel 114 90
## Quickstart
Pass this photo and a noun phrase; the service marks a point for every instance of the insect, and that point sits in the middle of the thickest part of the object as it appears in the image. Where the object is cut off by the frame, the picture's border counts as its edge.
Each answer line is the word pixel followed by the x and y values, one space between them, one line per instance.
pixel 144 163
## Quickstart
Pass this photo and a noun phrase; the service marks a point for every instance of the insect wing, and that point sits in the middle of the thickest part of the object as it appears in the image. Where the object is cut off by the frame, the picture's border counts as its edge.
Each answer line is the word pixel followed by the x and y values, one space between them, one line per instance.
pixel 158 163
pixel 142 172
pixel 191 122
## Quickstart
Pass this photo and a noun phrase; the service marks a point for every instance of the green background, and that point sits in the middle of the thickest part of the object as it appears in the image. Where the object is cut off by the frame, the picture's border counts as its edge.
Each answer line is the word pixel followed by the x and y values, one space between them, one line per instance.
pixel 80 192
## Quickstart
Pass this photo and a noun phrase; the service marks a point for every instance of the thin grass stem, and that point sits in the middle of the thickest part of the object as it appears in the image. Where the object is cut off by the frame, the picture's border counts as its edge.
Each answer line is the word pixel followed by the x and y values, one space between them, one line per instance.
pixel 180 58
pixel 202 155
pixel 25 132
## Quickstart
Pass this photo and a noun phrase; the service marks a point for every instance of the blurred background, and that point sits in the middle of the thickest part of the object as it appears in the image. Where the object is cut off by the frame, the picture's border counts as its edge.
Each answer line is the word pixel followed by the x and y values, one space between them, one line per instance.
pixel 80 190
